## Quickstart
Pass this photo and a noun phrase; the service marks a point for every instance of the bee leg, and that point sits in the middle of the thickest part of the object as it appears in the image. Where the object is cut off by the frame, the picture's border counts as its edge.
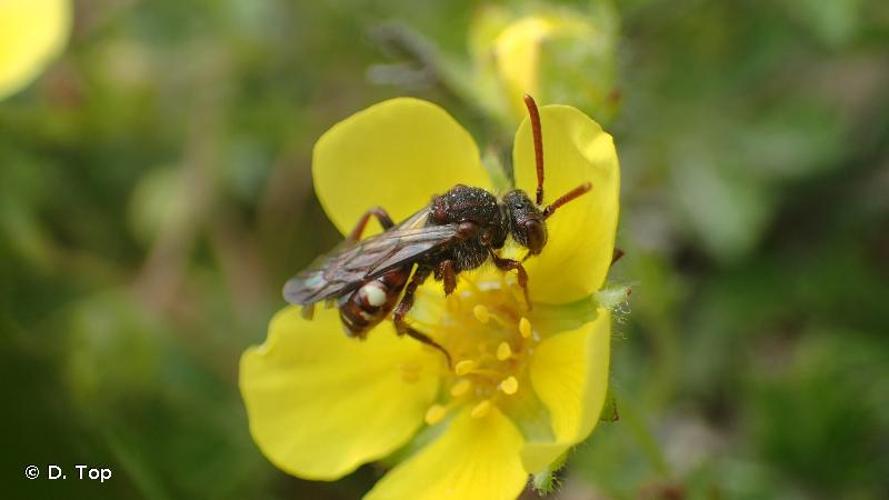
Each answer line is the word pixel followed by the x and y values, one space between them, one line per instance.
pixel 381 215
pixel 308 311
pixel 509 265
pixel 448 275
pixel 407 302
pixel 422 337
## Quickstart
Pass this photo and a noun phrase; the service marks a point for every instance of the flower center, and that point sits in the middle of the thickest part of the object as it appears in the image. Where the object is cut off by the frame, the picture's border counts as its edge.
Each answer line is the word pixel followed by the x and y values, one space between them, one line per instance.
pixel 484 326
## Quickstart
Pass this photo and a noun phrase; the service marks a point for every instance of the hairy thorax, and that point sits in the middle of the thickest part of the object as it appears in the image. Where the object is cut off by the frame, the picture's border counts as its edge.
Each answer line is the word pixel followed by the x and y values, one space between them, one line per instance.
pixel 482 224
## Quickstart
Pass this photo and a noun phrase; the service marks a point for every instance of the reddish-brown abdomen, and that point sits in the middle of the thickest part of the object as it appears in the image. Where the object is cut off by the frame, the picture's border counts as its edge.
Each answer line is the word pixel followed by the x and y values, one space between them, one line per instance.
pixel 364 308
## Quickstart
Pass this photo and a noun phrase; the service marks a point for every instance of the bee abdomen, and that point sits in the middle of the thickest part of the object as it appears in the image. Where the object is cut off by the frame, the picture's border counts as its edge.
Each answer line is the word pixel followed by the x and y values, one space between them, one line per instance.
pixel 364 308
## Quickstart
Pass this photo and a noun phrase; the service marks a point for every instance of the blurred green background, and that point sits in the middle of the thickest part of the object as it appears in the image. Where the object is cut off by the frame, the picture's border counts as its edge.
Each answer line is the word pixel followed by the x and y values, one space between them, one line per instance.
pixel 155 193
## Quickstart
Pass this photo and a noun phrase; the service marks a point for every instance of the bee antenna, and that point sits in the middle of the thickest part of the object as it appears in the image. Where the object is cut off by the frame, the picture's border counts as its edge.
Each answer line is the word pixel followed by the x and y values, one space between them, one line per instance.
pixel 534 114
pixel 565 198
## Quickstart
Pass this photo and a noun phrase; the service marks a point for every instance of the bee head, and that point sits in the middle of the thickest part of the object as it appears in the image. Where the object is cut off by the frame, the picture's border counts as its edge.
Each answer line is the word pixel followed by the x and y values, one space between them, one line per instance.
pixel 527 223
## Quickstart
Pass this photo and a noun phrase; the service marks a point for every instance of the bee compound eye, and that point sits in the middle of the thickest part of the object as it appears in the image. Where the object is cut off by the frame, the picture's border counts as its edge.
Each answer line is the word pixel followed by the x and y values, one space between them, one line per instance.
pixel 536 235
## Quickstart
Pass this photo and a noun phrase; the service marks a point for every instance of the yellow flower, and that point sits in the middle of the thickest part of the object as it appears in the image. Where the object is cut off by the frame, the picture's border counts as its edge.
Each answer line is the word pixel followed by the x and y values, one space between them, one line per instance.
pixel 526 385
pixel 31 33
pixel 557 54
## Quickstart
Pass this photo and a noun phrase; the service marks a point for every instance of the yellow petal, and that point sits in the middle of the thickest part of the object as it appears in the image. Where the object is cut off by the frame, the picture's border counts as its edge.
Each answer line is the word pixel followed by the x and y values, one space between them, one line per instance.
pixel 569 373
pixel 31 33
pixel 488 23
pixel 475 458
pixel 517 54
pixel 520 57
pixel 581 233
pixel 321 404
pixel 485 82
pixel 395 154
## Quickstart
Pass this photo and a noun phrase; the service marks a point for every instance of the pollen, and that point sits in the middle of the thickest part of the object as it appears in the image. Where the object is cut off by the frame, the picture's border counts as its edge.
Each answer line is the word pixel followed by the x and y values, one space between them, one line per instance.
pixel 504 352
pixel 509 385
pixel 461 387
pixel 481 409
pixel 481 313
pixel 435 414
pixel 525 327
pixel 465 366
pixel 485 327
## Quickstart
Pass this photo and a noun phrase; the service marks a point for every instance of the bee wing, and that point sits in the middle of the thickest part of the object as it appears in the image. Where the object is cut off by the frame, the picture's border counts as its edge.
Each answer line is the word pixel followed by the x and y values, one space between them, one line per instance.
pixel 352 264
pixel 412 244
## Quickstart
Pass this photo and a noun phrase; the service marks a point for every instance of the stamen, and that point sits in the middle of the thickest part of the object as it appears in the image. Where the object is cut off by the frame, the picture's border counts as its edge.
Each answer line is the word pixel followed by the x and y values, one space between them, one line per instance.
pixel 497 319
pixel 484 315
pixel 509 385
pixel 435 414
pixel 465 366
pixel 525 327
pixel 481 409
pixel 504 352
pixel 489 334
pixel 481 313
pixel 461 387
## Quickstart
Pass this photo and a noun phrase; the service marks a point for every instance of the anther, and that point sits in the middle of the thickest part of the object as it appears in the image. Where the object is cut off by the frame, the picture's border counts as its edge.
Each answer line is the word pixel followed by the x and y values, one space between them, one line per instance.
pixel 504 352
pixel 481 313
pixel 481 409
pixel 465 366
pixel 435 414
pixel 461 387
pixel 509 385
pixel 525 327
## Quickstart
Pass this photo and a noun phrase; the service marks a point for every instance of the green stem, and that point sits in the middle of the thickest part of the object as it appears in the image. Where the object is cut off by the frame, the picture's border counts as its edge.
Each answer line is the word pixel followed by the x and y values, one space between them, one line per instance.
pixel 640 431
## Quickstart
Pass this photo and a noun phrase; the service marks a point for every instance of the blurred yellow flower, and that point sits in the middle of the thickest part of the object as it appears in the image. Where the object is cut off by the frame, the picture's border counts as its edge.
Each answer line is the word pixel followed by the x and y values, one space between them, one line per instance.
pixel 557 54
pixel 32 32
pixel 527 384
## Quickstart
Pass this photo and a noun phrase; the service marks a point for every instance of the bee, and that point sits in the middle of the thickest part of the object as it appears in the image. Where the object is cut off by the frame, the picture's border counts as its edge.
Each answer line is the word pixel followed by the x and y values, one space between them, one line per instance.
pixel 458 231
